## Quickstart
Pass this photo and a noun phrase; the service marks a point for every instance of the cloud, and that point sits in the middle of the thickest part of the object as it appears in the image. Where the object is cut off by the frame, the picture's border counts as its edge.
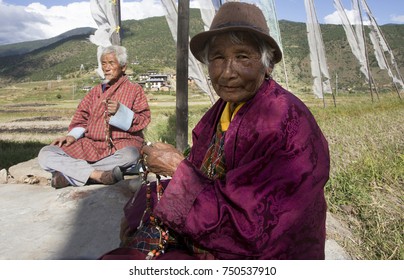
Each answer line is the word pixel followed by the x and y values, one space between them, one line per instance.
pixel 17 24
pixel 397 19
pixel 141 9
pixel 353 17
pixel 36 21
pixel 62 18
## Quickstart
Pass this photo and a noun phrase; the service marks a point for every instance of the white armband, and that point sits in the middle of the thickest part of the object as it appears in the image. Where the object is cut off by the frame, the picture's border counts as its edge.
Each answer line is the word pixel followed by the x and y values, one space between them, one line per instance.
pixel 77 132
pixel 122 118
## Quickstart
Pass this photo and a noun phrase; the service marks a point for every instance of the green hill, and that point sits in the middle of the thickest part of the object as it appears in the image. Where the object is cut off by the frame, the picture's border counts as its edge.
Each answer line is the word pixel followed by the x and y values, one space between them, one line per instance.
pixel 26 47
pixel 151 46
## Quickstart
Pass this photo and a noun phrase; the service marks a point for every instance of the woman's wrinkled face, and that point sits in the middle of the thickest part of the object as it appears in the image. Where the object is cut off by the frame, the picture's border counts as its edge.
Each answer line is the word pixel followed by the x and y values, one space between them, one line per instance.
pixel 111 68
pixel 236 70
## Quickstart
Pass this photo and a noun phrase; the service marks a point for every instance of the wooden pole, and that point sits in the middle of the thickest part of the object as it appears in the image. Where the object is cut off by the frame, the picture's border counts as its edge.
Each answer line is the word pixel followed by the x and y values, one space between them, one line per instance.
pixel 182 76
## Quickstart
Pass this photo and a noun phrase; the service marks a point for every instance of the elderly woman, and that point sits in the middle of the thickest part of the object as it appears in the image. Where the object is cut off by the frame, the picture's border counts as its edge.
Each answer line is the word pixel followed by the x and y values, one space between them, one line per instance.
pixel 252 186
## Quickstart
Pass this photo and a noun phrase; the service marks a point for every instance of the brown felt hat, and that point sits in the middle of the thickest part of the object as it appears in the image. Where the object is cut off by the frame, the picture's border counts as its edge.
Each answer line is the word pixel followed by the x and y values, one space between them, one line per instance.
pixel 236 16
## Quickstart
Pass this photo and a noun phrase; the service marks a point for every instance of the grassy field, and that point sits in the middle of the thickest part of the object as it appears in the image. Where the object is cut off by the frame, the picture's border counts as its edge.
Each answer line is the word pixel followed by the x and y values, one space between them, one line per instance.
pixel 366 140
pixel 367 172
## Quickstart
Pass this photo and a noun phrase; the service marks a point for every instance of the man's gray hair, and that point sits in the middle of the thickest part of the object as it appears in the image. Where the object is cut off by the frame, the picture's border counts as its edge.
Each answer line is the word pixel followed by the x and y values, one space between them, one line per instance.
pixel 119 51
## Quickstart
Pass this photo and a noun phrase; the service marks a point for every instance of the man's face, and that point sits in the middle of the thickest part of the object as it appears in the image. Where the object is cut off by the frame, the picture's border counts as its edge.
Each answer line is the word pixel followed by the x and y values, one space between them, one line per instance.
pixel 236 70
pixel 111 68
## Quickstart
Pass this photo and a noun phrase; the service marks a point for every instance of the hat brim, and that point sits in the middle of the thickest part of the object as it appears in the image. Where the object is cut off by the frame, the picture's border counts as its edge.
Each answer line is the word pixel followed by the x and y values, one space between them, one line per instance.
pixel 198 42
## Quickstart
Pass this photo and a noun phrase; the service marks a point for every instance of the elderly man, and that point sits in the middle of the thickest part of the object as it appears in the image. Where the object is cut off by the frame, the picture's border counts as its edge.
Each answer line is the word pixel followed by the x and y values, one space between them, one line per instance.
pixel 105 134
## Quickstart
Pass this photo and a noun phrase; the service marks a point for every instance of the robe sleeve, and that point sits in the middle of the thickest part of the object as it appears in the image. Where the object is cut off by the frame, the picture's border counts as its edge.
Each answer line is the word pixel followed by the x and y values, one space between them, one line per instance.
pixel 271 203
pixel 141 110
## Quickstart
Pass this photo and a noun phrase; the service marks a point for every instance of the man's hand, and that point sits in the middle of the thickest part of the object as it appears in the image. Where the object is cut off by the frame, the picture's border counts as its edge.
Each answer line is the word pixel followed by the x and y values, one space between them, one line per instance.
pixel 112 106
pixel 65 140
pixel 162 158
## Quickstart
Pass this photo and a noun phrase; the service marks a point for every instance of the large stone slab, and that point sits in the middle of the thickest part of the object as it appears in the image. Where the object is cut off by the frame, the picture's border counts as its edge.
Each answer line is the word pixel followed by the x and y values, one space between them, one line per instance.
pixel 38 222
pixel 41 223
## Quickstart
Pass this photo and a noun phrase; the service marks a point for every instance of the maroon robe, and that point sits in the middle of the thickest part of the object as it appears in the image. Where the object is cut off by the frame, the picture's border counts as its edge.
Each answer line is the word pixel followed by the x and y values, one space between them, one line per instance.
pixel 271 203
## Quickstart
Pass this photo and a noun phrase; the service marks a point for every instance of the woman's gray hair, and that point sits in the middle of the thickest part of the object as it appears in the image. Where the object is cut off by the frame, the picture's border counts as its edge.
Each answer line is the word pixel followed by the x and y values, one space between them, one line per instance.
pixel 237 37
pixel 119 51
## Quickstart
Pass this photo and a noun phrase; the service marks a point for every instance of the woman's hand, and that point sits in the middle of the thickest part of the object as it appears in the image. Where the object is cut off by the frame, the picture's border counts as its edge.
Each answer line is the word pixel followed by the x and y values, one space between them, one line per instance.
pixel 162 158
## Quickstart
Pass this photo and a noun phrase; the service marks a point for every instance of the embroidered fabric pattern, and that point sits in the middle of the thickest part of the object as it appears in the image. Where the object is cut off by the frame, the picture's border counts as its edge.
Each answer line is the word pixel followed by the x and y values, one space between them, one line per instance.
pixel 151 237
pixel 214 165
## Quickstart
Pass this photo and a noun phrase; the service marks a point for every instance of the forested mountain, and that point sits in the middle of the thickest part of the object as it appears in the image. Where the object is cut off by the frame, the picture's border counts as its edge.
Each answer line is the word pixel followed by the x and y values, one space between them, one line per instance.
pixel 151 46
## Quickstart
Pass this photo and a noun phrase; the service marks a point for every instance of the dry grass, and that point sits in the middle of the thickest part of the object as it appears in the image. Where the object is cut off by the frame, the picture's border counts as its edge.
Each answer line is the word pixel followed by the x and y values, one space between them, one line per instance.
pixel 367 176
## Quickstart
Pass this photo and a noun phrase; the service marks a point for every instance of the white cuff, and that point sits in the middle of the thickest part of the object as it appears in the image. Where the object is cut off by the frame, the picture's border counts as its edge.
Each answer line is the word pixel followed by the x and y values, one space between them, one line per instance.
pixel 77 132
pixel 122 118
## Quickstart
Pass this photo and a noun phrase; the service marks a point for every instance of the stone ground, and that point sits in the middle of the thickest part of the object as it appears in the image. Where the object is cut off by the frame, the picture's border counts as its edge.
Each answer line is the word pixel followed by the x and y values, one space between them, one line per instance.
pixel 40 223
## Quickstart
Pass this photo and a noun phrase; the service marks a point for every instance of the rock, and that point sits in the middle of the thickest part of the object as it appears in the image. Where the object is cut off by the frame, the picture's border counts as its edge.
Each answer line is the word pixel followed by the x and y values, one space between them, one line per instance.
pixel 336 231
pixel 30 179
pixel 334 251
pixel 20 172
pixel 336 228
pixel 3 176
pixel 41 223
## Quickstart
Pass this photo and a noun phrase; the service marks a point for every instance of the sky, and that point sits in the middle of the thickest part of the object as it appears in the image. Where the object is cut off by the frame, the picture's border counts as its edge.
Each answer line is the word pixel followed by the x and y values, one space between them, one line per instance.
pixel 27 20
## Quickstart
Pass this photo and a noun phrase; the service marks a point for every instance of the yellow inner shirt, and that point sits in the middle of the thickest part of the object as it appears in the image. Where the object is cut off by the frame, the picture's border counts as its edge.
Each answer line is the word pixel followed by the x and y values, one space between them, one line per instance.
pixel 227 115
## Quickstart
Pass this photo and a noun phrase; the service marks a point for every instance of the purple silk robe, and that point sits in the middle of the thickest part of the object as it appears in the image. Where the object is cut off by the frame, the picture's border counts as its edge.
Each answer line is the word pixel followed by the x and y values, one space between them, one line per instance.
pixel 271 203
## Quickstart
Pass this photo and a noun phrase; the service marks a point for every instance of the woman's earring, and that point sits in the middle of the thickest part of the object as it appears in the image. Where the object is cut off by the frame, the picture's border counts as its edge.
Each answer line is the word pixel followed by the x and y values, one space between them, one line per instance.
pixel 268 73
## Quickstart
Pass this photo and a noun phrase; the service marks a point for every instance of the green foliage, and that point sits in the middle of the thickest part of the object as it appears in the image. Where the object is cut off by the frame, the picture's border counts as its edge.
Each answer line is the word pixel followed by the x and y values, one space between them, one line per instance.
pixel 26 47
pixel 60 59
